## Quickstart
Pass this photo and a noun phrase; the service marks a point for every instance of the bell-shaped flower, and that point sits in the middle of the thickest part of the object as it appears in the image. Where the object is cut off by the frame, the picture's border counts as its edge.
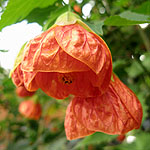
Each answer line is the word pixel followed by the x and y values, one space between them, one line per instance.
pixel 30 109
pixel 17 76
pixel 115 112
pixel 68 58
pixel 21 91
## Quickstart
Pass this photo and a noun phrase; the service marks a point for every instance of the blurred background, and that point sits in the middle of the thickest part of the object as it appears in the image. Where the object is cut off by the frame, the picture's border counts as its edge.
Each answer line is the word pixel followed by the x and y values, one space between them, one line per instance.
pixel 123 24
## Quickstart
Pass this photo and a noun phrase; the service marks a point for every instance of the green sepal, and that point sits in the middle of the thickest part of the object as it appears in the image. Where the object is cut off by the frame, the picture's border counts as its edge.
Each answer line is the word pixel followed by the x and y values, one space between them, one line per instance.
pixel 18 59
pixel 69 18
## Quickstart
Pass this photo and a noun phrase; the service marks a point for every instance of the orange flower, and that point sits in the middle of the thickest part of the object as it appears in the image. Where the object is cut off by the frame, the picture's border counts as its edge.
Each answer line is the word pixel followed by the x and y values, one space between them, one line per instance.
pixel 30 109
pixel 22 92
pixel 77 8
pixel 17 76
pixel 116 112
pixel 67 59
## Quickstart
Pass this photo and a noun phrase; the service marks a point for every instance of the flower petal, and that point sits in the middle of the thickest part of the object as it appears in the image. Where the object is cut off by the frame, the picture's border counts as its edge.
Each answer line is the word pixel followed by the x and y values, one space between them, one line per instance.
pixel 29 81
pixel 60 85
pixel 74 129
pixel 43 54
pixel 84 46
pixel 116 112
pixel 17 76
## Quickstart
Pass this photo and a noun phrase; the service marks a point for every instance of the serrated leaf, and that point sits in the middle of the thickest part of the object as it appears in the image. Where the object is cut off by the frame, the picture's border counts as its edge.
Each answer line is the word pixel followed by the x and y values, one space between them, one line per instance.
pixel 127 18
pixel 17 10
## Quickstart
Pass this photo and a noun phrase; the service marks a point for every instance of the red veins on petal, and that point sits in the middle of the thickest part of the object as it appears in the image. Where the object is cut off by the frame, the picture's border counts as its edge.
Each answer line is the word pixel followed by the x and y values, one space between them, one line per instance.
pixel 74 129
pixel 115 112
pixel 82 45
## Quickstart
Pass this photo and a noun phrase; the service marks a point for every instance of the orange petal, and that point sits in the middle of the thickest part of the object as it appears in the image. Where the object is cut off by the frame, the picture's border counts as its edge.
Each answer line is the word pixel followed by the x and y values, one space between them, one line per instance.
pixel 59 85
pixel 82 45
pixel 116 112
pixel 30 51
pixel 43 54
pixel 102 79
pixel 74 129
pixel 17 76
pixel 29 81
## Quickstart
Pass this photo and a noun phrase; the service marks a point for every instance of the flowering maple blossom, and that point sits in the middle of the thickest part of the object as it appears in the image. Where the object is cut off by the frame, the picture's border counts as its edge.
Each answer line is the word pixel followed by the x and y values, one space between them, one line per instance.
pixel 30 109
pixel 116 112
pixel 67 59
pixel 21 91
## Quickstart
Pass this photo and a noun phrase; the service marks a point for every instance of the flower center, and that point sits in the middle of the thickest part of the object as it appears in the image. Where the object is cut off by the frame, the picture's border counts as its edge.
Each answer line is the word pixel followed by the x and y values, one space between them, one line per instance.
pixel 66 79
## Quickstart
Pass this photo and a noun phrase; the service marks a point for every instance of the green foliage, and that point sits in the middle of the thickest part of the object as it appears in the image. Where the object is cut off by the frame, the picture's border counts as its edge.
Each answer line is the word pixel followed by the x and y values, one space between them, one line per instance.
pixel 17 10
pixel 127 18
pixel 95 139
pixel 1 50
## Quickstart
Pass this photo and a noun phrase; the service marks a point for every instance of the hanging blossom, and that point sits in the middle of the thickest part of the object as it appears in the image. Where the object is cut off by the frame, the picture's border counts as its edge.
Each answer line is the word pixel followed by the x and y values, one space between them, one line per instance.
pixel 69 58
pixel 30 109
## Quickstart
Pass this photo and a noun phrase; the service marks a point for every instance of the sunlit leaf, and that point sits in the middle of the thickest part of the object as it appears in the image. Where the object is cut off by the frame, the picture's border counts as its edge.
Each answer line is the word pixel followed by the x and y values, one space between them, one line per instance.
pixel 17 10
pixel 127 18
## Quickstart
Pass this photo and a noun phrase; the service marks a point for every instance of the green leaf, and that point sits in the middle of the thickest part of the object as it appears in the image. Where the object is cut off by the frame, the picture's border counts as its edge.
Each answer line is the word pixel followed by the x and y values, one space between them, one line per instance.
pixel 146 61
pixel 53 16
pixel 144 8
pixel 134 70
pixel 135 16
pixel 96 26
pixel 94 139
pixel 17 10
pixel 21 144
pixel 58 144
pixel 127 18
pixel 1 50
pixel 39 15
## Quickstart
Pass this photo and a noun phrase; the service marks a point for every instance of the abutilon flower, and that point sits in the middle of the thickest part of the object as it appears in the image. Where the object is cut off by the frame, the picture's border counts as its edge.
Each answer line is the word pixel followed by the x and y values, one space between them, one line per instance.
pixel 21 91
pixel 117 111
pixel 69 58
pixel 30 109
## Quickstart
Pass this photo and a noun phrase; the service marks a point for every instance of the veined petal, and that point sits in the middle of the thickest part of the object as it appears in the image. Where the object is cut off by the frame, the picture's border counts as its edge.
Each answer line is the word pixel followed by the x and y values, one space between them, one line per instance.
pixel 84 46
pixel 17 76
pixel 43 54
pixel 102 79
pixel 115 112
pixel 60 85
pixel 30 51
pixel 29 81
pixel 74 129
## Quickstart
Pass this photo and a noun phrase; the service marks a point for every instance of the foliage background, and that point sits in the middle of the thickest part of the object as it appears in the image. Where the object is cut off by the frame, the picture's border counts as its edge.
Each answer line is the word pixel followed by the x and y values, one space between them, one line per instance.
pixel 130 47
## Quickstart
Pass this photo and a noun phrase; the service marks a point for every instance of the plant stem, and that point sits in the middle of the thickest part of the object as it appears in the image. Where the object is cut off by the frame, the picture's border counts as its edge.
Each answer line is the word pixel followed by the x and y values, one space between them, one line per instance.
pixel 144 38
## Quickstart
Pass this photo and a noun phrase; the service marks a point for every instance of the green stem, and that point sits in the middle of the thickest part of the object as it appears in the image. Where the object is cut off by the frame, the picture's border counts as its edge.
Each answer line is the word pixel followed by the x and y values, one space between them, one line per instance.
pixel 144 38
